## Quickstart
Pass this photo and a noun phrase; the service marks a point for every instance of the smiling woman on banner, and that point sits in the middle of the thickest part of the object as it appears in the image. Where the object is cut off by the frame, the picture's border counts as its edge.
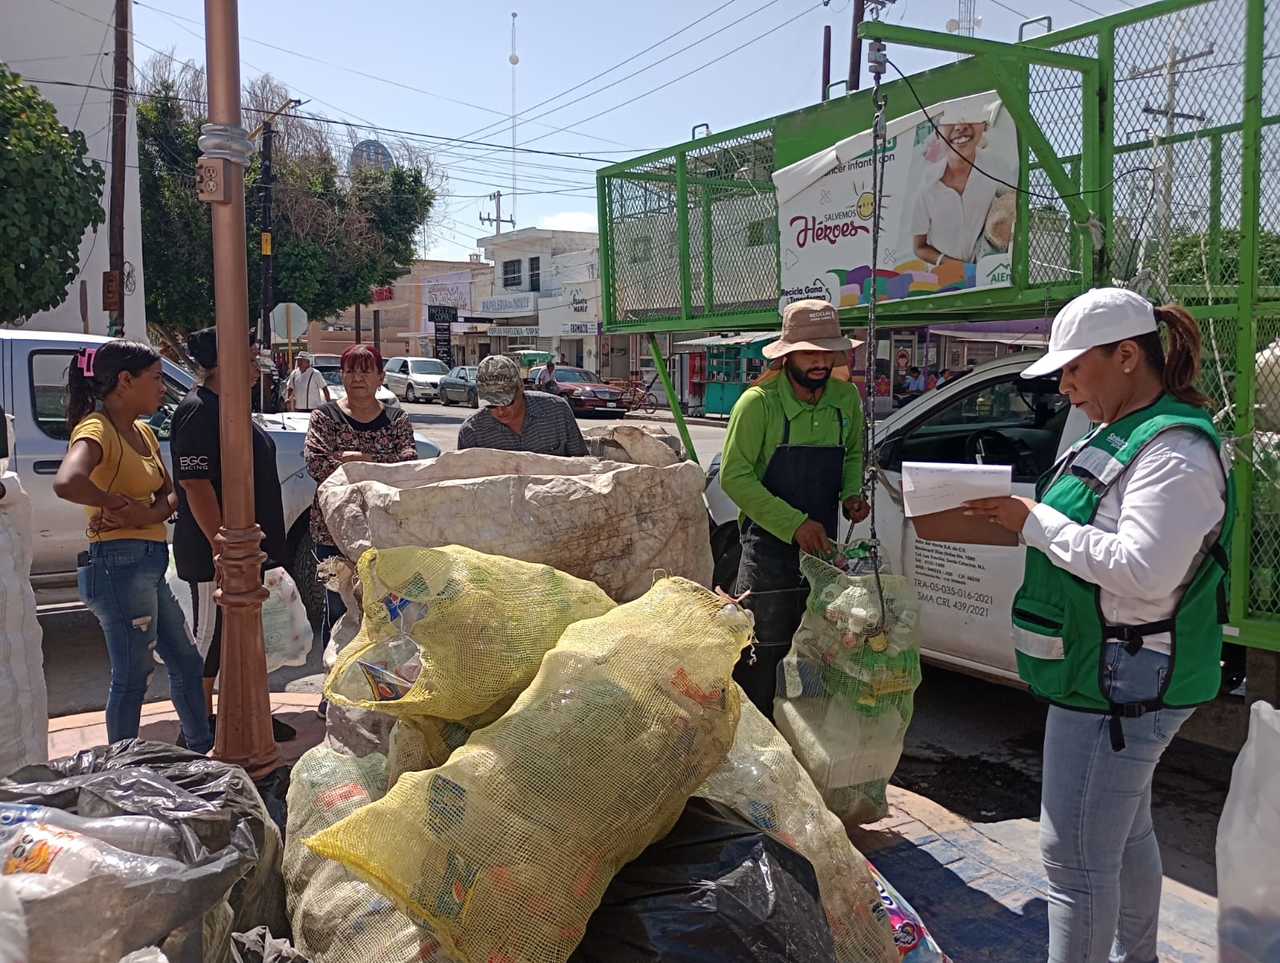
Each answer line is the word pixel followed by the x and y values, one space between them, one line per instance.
pixel 1119 619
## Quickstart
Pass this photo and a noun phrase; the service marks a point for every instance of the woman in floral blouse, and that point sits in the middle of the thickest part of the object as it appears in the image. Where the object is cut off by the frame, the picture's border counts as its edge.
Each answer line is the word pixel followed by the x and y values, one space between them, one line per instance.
pixel 356 428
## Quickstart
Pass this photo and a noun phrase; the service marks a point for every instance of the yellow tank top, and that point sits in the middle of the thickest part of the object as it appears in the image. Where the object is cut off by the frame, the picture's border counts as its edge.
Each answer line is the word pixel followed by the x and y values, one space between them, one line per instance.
pixel 123 471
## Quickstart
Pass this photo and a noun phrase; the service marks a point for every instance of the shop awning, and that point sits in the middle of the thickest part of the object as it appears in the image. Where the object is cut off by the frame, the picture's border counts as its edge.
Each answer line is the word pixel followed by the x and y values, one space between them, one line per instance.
pixel 1029 339
pixel 733 339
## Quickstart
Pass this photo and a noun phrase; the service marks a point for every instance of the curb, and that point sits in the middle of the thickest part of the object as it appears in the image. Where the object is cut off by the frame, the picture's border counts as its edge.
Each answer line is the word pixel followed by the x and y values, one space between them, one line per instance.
pixel 666 418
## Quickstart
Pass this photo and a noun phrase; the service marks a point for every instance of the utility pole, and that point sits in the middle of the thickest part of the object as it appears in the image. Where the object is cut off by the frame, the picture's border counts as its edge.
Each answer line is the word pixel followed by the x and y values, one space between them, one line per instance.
pixel 244 735
pixel 377 330
pixel 855 46
pixel 496 219
pixel 826 62
pixel 359 333
pixel 113 280
pixel 514 60
pixel 266 182
pixel 1169 112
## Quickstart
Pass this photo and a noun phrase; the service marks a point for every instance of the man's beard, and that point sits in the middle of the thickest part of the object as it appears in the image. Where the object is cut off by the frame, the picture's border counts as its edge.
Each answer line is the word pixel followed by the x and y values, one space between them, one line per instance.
pixel 800 377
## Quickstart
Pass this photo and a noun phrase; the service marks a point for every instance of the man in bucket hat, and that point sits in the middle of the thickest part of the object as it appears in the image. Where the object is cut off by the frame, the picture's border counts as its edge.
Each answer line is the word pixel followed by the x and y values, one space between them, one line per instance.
pixel 792 459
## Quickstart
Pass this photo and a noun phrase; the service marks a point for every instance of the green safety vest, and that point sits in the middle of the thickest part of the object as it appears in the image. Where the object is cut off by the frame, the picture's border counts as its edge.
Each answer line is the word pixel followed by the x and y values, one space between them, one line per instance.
pixel 1059 630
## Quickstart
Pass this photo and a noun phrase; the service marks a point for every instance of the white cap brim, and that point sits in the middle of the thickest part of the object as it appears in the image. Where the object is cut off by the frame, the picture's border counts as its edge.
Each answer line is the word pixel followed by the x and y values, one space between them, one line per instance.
pixel 1052 362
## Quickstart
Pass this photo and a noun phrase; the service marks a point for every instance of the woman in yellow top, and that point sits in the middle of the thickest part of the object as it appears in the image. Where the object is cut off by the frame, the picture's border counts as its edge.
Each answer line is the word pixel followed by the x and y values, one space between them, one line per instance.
pixel 114 468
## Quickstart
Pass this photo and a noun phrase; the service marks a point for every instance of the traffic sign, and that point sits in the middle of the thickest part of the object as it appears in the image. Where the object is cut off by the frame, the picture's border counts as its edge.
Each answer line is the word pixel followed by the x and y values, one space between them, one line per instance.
pixel 289 321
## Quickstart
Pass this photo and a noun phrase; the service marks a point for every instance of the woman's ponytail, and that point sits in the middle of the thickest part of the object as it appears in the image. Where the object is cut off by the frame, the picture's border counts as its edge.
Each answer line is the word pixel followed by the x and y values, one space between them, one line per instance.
pixel 95 372
pixel 1179 364
pixel 80 397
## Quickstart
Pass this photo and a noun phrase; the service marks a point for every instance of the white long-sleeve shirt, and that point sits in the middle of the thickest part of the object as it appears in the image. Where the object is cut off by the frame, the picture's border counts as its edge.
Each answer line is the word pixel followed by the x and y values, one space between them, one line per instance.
pixel 1151 532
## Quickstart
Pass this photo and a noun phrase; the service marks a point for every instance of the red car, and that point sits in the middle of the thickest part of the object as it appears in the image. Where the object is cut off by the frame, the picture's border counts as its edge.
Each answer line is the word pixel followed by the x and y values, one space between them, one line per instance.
pixel 583 389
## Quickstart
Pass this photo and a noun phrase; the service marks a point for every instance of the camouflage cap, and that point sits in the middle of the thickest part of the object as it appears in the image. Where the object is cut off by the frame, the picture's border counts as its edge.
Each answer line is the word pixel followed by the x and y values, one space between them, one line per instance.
pixel 497 381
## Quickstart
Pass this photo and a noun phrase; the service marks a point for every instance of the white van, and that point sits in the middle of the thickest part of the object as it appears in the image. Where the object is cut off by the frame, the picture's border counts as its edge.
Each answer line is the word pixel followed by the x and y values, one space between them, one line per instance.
pixel 33 384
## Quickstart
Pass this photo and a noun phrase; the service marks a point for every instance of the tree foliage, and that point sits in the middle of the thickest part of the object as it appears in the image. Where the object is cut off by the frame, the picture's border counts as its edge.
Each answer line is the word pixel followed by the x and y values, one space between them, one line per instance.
pixel 336 233
pixel 49 193
pixel 1189 254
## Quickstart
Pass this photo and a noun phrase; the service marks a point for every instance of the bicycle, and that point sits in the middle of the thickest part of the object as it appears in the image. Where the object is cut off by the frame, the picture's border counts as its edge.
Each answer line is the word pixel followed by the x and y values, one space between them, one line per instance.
pixel 637 396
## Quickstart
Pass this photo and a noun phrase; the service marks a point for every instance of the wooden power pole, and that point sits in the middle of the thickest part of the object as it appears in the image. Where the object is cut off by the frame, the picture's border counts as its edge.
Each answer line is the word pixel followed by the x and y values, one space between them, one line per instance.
pixel 113 279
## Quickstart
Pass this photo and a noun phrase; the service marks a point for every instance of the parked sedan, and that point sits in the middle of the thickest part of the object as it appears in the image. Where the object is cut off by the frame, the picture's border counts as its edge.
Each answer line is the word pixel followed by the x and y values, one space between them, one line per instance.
pixel 583 389
pixel 459 385
pixel 415 379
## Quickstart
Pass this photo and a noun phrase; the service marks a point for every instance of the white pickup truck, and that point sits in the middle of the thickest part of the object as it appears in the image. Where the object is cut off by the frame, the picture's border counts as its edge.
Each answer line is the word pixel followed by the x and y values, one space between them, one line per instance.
pixel 990 416
pixel 33 382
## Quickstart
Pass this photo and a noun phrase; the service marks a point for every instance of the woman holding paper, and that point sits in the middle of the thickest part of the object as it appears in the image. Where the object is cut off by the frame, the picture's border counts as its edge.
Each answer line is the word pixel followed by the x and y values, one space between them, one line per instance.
pixel 1119 619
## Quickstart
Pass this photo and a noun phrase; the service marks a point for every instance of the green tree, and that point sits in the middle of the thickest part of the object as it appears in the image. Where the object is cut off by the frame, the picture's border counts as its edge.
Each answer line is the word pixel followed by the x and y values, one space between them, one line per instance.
pixel 49 194
pixel 335 235
pixel 1190 253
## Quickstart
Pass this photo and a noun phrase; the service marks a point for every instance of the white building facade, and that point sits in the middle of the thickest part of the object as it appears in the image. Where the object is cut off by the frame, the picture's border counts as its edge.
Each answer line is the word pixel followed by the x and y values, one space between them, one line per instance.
pixel 69 47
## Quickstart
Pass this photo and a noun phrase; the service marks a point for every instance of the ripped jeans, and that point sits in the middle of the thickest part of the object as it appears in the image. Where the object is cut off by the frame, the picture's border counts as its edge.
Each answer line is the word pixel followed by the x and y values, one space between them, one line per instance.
pixel 123 585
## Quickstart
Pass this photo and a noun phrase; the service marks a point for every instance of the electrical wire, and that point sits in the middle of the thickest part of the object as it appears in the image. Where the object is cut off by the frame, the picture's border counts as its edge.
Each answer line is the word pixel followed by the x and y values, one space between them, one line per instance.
pixel 360 73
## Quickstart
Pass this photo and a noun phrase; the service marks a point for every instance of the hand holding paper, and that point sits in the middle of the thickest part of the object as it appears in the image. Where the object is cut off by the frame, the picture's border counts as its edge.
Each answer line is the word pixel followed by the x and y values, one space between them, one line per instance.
pixel 929 487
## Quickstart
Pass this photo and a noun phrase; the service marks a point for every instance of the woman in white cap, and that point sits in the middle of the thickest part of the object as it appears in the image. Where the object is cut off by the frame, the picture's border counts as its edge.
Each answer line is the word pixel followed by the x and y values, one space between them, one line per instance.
pixel 1118 623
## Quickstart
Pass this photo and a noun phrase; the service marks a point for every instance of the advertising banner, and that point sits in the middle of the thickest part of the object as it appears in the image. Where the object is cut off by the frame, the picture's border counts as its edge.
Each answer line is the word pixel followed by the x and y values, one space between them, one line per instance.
pixel 440 319
pixel 452 288
pixel 947 213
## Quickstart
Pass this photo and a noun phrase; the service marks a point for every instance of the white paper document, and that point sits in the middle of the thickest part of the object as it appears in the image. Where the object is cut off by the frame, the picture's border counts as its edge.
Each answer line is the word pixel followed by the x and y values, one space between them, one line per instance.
pixel 929 487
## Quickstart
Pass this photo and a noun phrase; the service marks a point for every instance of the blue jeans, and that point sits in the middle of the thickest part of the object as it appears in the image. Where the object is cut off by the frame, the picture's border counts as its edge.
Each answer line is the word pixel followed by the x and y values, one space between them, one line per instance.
pixel 1096 837
pixel 124 586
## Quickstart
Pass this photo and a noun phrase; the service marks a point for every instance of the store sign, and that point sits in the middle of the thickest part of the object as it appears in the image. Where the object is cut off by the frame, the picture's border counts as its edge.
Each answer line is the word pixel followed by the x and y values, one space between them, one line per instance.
pixel 387 293
pixel 441 318
pixel 509 304
pixel 471 327
pixel 574 313
pixel 514 331
pixel 453 288
pixel 946 218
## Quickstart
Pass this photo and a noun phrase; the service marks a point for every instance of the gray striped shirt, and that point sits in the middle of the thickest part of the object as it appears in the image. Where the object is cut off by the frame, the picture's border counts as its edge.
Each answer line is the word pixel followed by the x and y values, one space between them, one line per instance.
pixel 549 429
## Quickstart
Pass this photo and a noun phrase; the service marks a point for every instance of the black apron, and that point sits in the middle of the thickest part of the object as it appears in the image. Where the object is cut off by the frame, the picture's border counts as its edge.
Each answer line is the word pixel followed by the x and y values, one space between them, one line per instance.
pixel 808 478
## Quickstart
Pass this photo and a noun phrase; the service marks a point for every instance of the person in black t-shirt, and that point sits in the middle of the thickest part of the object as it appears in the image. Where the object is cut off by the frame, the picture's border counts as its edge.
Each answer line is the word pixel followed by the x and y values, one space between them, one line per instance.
pixel 197 469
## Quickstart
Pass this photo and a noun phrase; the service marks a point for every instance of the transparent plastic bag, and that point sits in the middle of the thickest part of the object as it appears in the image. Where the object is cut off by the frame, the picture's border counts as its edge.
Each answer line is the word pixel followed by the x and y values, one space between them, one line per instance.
pixel 1248 840
pixel 846 688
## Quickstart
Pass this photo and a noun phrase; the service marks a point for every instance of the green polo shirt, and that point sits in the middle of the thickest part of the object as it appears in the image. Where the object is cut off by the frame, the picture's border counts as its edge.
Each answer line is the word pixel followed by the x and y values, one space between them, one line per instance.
pixel 755 432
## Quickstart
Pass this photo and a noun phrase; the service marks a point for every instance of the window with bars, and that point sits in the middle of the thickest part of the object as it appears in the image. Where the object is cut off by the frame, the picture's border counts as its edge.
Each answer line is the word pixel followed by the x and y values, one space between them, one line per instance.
pixel 535 273
pixel 511 274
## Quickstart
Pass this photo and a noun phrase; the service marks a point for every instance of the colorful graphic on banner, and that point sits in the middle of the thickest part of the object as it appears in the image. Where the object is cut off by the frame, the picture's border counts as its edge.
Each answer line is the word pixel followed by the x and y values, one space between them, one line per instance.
pixel 947 213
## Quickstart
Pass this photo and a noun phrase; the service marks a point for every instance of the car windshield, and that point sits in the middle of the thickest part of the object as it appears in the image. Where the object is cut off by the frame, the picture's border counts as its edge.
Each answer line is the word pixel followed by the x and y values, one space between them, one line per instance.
pixel 578 375
pixel 468 373
pixel 428 366
pixel 331 376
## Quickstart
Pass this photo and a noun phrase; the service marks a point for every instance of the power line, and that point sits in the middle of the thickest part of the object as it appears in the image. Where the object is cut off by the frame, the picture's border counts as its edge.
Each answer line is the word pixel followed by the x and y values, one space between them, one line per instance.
pixel 623 63
pixel 675 80
pixel 359 73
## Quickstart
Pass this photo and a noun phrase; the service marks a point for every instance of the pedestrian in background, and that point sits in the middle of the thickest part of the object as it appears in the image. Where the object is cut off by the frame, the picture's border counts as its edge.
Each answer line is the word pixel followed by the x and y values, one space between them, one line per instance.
pixel 511 419
pixel 357 428
pixel 195 447
pixel 1118 623
pixel 114 468
pixel 305 390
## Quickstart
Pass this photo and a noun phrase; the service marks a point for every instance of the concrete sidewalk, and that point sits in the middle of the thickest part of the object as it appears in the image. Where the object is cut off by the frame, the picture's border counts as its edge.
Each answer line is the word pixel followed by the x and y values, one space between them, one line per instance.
pixel 981 890
pixel 70 734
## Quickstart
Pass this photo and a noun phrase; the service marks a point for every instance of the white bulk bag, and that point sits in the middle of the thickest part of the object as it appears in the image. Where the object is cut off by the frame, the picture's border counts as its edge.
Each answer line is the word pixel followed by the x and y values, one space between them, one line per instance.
pixel 24 701
pixel 613 524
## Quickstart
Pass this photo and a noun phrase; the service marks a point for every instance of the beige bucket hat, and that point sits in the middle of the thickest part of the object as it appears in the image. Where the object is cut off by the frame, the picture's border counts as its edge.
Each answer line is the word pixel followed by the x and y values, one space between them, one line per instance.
pixel 809 325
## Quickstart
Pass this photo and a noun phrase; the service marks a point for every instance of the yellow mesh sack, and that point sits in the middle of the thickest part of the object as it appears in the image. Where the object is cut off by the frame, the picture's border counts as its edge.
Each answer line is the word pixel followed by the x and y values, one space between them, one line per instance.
pixel 449 632
pixel 762 780
pixel 506 850
pixel 426 743
pixel 337 918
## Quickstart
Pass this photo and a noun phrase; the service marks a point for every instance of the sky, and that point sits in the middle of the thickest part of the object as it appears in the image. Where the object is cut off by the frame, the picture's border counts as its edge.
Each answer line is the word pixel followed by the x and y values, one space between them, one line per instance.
pixel 442 70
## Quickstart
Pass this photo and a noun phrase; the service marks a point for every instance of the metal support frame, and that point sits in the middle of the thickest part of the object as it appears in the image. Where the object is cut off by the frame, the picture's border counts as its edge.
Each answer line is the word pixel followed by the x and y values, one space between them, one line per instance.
pixel 676 411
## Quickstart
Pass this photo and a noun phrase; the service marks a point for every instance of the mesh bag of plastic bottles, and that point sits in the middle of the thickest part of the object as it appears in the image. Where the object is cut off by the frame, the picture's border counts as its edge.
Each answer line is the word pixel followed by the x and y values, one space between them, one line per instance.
pixel 336 917
pixel 449 632
pixel 428 742
pixel 846 689
pixel 762 780
pixel 507 849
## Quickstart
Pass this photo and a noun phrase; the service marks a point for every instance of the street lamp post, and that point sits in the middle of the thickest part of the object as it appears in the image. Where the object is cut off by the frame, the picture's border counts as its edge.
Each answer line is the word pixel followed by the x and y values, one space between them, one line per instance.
pixel 244 734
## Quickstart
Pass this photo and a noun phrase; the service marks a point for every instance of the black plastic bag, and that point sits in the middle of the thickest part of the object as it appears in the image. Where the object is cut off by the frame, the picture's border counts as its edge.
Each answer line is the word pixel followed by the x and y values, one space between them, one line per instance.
pixel 714 890
pixel 226 839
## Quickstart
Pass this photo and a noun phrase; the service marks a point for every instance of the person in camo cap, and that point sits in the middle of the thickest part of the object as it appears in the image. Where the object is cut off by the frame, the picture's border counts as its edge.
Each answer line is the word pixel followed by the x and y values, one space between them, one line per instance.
pixel 511 420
